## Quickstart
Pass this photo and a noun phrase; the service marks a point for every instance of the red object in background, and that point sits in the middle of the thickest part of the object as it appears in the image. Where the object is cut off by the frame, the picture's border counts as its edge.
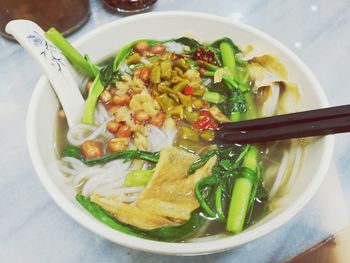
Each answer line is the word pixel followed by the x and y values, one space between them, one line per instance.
pixel 128 6
pixel 205 121
pixel 64 15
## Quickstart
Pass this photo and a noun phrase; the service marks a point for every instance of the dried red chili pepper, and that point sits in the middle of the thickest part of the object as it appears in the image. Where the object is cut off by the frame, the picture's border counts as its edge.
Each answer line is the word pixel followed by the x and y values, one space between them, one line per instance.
pixel 204 55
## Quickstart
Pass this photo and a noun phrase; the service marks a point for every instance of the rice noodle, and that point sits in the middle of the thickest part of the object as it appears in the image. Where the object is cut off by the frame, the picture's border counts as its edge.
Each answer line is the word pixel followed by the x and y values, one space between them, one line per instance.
pixel 282 171
pixel 110 174
pixel 130 198
pixel 298 153
pixel 159 138
pixel 91 185
pixel 105 180
pixel 103 112
pixel 170 135
pixel 77 134
pixel 67 170
pixel 74 163
pixel 86 174
pixel 116 183
pixel 156 138
pixel 270 105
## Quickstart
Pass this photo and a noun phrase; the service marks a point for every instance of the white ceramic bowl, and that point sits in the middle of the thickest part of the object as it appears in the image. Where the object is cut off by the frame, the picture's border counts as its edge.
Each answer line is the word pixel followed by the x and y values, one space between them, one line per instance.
pixel 103 43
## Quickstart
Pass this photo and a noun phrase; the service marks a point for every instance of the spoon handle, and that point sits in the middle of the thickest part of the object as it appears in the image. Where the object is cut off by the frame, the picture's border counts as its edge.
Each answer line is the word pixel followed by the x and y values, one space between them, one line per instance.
pixel 56 67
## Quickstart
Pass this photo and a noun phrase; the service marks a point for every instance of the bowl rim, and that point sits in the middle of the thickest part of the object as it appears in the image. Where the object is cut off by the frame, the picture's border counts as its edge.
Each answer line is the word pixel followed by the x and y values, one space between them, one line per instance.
pixel 169 248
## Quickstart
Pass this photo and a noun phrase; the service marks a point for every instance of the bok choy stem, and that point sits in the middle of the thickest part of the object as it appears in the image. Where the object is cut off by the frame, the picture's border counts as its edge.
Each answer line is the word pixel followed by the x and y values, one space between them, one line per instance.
pixel 218 203
pixel 77 60
pixel 90 103
pixel 228 57
pixel 84 65
pixel 228 60
pixel 241 192
pixel 243 186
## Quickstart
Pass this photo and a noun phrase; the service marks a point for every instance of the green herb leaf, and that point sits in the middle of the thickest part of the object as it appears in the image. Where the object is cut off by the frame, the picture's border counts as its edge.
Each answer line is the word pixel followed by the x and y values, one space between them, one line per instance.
pixel 190 42
pixel 227 40
pixel 72 151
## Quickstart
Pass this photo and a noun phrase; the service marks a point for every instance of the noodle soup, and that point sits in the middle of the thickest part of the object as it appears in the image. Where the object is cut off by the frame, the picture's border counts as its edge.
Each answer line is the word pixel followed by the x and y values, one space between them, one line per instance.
pixel 144 160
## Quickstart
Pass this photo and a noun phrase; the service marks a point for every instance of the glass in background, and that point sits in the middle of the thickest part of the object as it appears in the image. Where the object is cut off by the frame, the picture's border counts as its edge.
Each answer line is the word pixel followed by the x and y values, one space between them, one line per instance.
pixel 64 15
pixel 128 6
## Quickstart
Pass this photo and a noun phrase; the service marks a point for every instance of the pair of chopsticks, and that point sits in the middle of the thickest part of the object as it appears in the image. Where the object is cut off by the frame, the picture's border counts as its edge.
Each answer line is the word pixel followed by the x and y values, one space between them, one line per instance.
pixel 295 125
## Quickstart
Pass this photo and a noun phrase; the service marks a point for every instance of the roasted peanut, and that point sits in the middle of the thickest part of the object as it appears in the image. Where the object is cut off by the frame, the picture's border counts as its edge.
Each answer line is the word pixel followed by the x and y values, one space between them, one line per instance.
pixel 91 149
pixel 141 116
pixel 124 131
pixel 121 100
pixel 158 49
pixel 118 144
pixel 113 109
pixel 141 47
pixel 144 74
pixel 158 119
pixel 137 73
pixel 112 126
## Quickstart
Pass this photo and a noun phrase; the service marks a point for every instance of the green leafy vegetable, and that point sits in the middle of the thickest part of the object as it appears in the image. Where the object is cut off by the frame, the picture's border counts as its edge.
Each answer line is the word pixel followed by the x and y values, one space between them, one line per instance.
pixel 84 65
pixel 228 58
pixel 181 232
pixel 90 103
pixel 216 52
pixel 218 202
pixel 228 41
pixel 202 195
pixel 73 151
pixel 171 233
pixel 129 155
pixel 212 191
pixel 235 102
pixel 241 193
pixel 106 218
pixel 107 74
pixel 190 42
pixel 78 61
pixel 124 52
pixel 201 161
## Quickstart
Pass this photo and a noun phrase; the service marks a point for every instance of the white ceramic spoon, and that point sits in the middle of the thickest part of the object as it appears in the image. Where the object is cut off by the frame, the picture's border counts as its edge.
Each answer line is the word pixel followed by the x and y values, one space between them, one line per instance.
pixel 63 77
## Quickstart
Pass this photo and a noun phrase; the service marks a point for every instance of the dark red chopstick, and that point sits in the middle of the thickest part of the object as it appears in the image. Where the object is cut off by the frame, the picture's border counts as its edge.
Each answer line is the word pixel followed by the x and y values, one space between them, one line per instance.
pixel 293 118
pixel 284 129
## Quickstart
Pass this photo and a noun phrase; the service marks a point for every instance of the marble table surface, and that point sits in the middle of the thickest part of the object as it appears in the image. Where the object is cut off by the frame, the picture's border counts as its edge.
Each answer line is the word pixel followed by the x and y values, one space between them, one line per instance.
pixel 34 229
